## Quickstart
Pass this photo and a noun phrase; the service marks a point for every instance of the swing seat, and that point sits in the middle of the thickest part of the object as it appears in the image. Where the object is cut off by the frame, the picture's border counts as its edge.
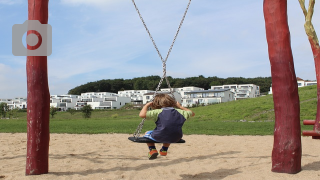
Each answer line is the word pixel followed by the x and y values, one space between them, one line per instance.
pixel 147 140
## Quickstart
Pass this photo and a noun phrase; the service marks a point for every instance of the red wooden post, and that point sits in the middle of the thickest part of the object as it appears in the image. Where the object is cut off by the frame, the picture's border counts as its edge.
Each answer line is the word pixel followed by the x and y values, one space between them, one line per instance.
pixel 38 100
pixel 286 154
pixel 316 55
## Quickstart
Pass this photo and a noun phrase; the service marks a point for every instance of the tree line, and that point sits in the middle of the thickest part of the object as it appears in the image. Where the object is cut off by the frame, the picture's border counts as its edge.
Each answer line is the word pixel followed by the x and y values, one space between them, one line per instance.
pixel 151 83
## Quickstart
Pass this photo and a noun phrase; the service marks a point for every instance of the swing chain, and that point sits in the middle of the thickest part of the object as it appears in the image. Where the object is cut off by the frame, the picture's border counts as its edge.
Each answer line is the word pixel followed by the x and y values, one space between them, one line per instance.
pixel 139 128
pixel 175 37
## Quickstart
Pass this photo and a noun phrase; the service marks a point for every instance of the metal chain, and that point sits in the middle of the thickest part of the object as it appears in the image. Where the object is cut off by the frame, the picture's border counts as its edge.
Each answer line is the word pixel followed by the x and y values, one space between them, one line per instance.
pixel 164 76
pixel 175 37
pixel 139 128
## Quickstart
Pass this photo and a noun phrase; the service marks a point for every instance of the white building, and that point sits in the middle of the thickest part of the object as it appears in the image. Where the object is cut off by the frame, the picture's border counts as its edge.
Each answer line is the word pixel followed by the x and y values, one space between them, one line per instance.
pixel 135 95
pixel 97 94
pixel 300 83
pixel 206 97
pixel 97 100
pixel 64 102
pixel 242 91
pixel 149 96
pixel 16 103
pixel 183 90
pixel 110 103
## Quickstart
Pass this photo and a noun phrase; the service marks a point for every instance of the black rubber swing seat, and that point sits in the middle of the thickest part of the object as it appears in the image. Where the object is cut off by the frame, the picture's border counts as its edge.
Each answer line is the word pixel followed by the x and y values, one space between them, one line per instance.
pixel 147 140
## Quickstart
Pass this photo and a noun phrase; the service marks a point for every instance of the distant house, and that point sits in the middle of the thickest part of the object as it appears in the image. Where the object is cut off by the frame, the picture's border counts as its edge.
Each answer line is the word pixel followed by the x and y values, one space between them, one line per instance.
pixel 135 95
pixel 300 83
pixel 149 96
pixel 183 90
pixel 242 91
pixel 206 97
pixel 110 103
pixel 64 102
pixel 16 103
pixel 97 100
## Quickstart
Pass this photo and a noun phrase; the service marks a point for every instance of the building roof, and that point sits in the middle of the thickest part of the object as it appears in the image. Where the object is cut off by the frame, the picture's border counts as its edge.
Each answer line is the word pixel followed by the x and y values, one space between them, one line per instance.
pixel 159 92
pixel 207 91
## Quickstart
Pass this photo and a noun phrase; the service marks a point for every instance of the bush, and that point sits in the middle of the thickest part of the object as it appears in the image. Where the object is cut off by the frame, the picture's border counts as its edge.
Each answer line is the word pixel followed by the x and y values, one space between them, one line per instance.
pixel 4 108
pixel 53 111
pixel 114 115
pixel 71 111
pixel 86 110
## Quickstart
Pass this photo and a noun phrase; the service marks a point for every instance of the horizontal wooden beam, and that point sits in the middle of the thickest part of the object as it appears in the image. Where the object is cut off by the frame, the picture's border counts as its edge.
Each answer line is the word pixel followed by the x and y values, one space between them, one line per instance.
pixel 310 133
pixel 309 122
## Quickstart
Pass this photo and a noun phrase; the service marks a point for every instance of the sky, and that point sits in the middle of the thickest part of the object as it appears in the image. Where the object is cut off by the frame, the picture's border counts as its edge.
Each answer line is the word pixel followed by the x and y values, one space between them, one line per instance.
pixel 105 39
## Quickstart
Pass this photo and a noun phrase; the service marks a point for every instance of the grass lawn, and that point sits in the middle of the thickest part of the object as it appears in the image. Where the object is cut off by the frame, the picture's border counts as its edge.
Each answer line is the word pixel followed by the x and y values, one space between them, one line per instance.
pixel 245 117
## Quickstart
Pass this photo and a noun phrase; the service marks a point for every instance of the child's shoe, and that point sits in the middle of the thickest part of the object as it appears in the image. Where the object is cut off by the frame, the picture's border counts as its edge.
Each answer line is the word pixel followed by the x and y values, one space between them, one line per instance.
pixel 163 153
pixel 153 154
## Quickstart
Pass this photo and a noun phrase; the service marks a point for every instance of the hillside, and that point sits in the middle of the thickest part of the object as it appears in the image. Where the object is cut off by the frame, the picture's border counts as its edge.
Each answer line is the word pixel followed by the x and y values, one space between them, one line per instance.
pixel 245 117
pixel 259 109
pixel 151 83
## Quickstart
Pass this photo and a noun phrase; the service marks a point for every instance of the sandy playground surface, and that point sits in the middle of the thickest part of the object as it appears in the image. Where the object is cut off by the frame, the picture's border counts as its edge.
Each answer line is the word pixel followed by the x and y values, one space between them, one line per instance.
pixel 112 156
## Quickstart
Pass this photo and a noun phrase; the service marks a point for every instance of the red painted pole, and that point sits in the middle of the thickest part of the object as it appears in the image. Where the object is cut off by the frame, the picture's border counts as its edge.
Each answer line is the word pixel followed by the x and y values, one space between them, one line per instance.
pixel 286 153
pixel 38 100
pixel 316 54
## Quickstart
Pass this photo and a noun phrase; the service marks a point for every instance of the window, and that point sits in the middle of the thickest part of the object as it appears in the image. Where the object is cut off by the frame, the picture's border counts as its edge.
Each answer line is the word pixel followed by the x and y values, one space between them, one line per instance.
pixel 147 97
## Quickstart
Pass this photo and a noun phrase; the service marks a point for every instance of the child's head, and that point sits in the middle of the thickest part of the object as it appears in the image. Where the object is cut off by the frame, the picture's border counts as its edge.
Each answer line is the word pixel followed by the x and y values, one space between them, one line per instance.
pixel 163 100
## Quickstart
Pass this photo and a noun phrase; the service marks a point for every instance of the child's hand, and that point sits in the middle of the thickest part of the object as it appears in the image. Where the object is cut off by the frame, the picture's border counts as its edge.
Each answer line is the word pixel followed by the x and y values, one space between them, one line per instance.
pixel 144 110
pixel 148 104
pixel 178 105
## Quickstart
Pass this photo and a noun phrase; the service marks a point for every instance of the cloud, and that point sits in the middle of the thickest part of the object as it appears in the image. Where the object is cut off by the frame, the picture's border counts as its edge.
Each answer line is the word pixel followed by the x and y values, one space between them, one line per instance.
pixel 13 81
pixel 11 2
pixel 101 4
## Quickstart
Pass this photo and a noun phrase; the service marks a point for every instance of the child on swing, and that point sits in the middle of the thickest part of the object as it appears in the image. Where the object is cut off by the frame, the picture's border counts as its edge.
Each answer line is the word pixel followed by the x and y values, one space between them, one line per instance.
pixel 168 120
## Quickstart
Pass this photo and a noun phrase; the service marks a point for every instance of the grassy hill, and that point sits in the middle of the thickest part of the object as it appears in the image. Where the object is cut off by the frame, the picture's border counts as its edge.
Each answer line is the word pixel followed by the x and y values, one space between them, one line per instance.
pixel 245 117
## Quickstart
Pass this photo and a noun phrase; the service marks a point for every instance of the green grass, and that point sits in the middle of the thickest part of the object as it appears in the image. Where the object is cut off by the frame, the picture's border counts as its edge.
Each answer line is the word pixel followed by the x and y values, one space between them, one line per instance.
pixel 245 117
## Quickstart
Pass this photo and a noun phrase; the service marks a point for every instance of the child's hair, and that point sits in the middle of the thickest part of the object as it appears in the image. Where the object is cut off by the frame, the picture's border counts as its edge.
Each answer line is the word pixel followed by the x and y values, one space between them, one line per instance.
pixel 163 100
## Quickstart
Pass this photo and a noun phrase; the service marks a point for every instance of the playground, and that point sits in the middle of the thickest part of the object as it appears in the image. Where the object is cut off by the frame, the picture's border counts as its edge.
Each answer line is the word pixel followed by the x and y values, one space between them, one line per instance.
pixel 110 156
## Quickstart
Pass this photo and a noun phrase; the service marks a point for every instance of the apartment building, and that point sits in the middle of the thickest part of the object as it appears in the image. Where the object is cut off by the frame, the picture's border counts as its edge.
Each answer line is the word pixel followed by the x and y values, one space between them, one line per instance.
pixel 241 91
pixel 300 83
pixel 109 103
pixel 64 102
pixel 206 97
pixel 16 103
pixel 149 96
pixel 135 95
pixel 182 90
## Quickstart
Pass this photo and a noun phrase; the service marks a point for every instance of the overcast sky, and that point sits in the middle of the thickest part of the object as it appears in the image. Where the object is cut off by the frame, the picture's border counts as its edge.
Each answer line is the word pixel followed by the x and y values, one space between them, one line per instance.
pixel 105 39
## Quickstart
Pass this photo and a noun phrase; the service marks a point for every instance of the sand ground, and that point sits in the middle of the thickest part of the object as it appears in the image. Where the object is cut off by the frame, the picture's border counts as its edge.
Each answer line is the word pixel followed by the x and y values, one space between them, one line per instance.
pixel 112 156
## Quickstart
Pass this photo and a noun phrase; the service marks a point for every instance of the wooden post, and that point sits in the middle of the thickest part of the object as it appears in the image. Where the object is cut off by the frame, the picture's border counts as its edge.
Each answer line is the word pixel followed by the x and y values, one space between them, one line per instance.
pixel 314 42
pixel 38 100
pixel 286 153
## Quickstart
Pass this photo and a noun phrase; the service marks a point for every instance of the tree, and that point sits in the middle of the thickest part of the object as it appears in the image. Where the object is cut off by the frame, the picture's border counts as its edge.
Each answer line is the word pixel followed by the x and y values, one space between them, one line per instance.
pixel 71 111
pixel 13 113
pixel 53 111
pixel 4 108
pixel 86 110
pixel 286 153
pixel 314 42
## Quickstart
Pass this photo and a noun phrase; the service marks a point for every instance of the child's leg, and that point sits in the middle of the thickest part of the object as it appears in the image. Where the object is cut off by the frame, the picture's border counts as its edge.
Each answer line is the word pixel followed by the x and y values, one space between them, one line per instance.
pixel 151 146
pixel 164 149
pixel 153 151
